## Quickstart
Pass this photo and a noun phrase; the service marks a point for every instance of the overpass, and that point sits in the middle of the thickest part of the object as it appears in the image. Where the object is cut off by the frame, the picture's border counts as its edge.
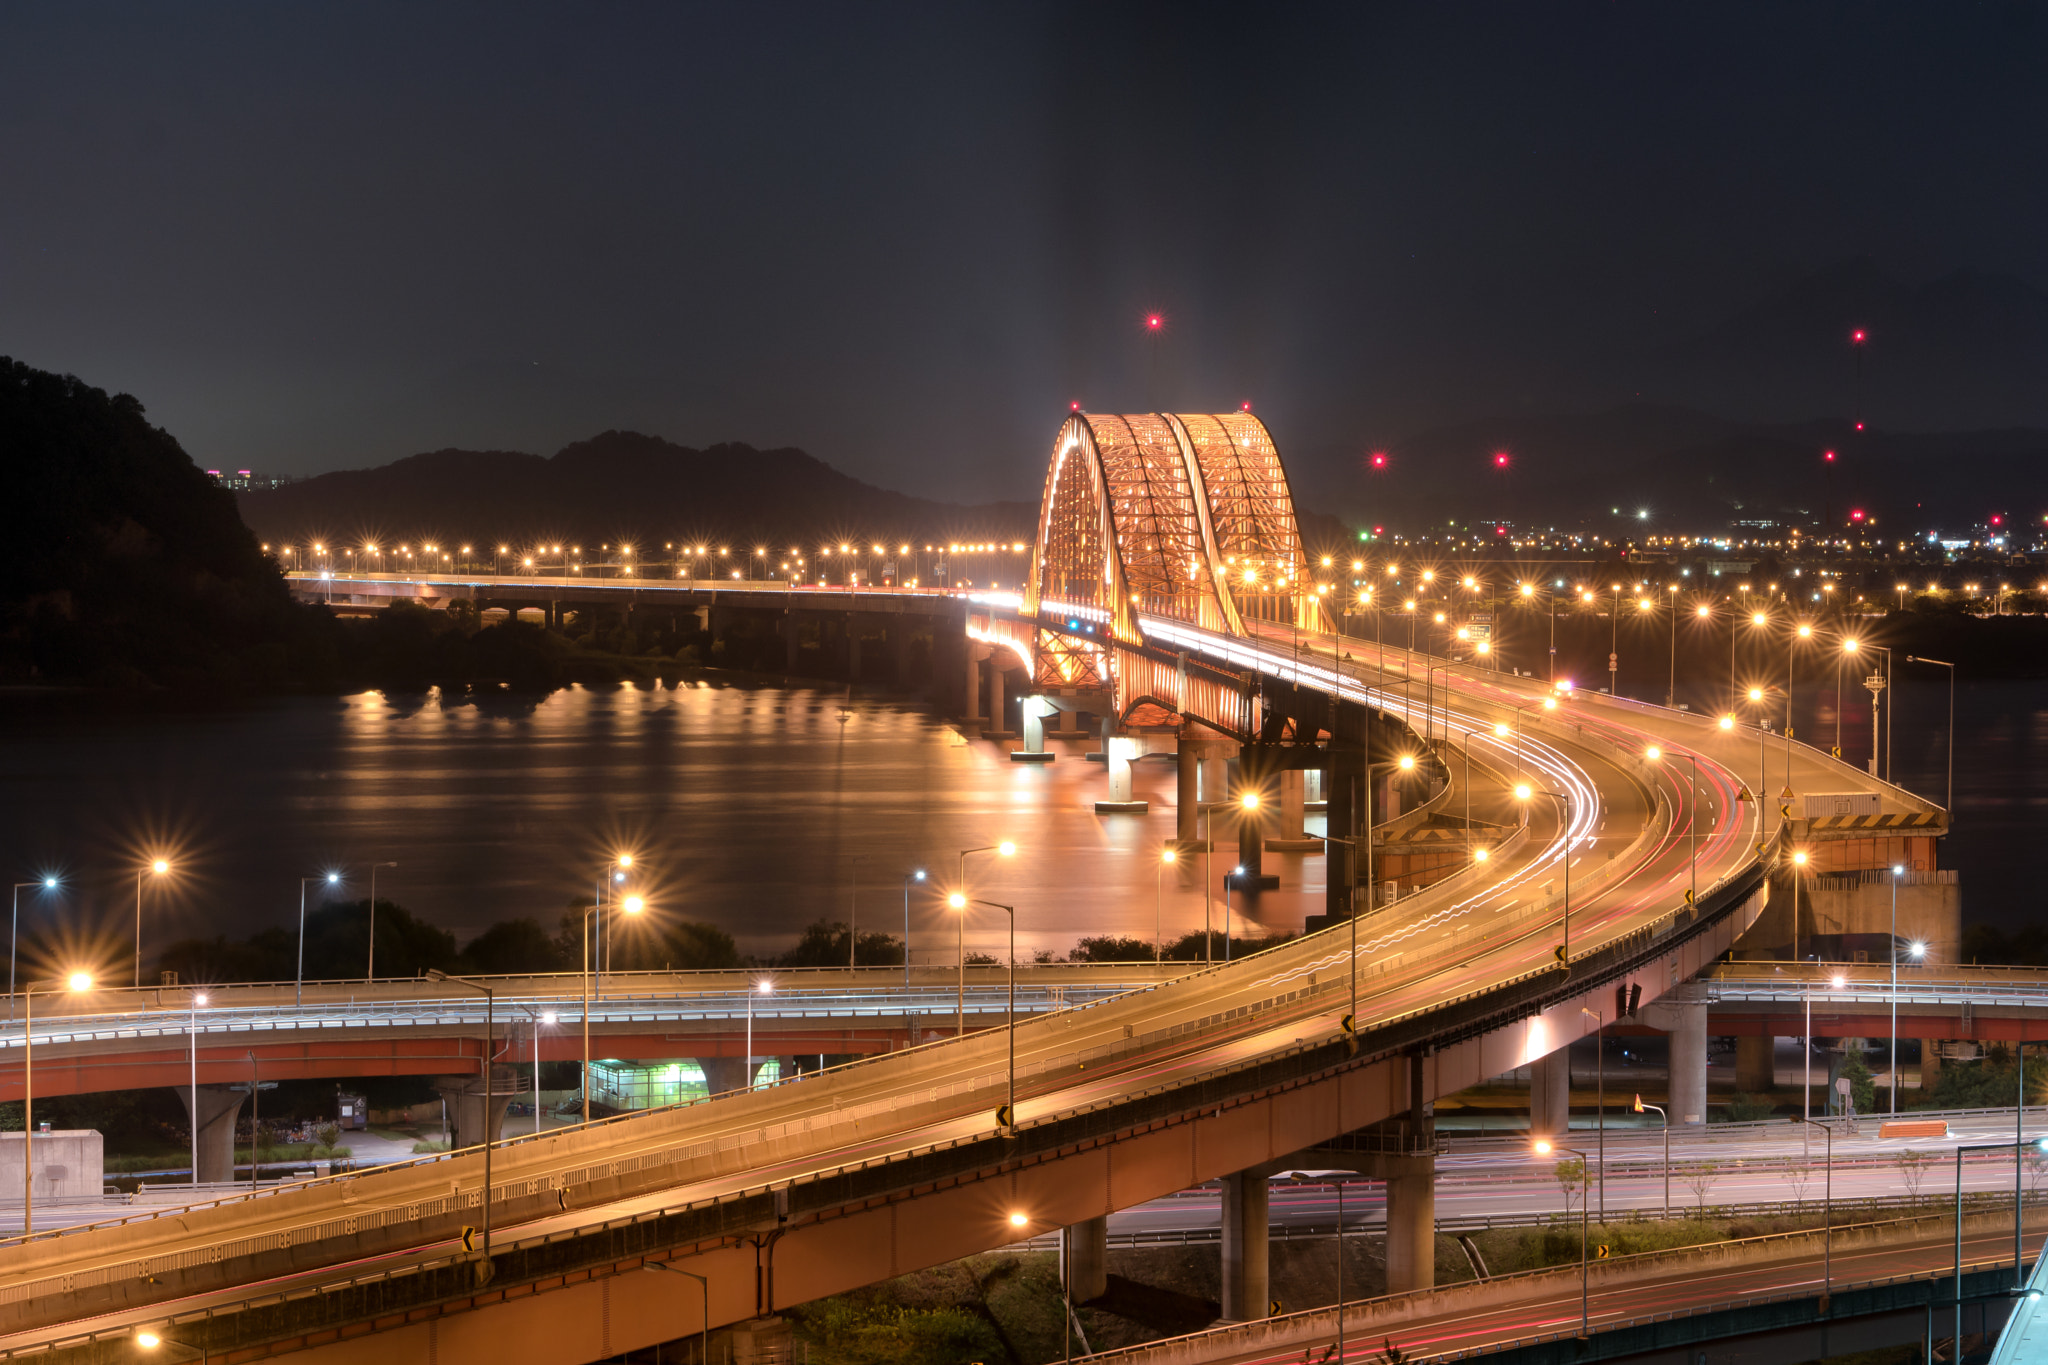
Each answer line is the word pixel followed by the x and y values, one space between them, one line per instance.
pixel 1169 601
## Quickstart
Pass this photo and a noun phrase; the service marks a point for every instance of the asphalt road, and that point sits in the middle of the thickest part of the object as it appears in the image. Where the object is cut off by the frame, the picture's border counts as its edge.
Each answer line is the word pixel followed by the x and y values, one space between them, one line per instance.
pixel 1431 947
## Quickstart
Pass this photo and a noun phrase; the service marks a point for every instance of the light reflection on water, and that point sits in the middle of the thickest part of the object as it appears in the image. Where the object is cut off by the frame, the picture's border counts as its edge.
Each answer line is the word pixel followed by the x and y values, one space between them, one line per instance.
pixel 755 809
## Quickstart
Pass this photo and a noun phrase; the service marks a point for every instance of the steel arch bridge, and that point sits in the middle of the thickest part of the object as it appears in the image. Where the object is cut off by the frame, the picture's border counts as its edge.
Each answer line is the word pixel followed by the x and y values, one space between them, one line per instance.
pixel 1167 517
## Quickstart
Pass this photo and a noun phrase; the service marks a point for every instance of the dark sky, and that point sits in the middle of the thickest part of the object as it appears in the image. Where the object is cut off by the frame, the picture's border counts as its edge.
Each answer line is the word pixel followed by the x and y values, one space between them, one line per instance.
pixel 905 237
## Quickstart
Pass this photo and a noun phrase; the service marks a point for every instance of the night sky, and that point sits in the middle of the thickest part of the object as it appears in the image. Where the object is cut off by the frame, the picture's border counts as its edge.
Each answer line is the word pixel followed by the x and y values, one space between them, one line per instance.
pixel 906 237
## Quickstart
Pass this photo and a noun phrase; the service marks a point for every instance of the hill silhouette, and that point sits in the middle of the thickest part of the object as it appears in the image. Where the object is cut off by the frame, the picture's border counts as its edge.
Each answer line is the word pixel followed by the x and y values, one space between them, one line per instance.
pixel 131 566
pixel 620 485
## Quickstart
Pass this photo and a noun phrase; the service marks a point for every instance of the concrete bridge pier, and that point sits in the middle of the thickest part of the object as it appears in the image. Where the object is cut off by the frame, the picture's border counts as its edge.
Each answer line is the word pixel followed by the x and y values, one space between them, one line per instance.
pixel 998 712
pixel 849 638
pixel 1246 1215
pixel 725 1074
pixel 792 642
pixel 1121 750
pixel 1411 1221
pixel 1687 1025
pixel 1550 1094
pixel 1033 711
pixel 464 1096
pixel 220 1108
pixel 1086 1268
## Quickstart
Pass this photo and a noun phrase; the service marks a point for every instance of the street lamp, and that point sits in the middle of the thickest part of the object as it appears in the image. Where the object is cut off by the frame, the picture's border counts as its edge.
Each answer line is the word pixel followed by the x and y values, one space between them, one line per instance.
pixel 1338 1185
pixel 958 900
pixel 484 1269
pixel 192 1040
pixel 916 874
pixel 765 986
pixel 1798 862
pixel 156 867
pixel 1545 1148
pixel 1898 869
pixel 1923 659
pixel 1664 1119
pixel 704 1284
pixel 1600 1071
pixel 76 982
pixel 1827 1253
pixel 331 878
pixel 14 936
pixel 1008 1117
pixel 370 967
pixel 1166 856
pixel 632 905
pixel 1524 792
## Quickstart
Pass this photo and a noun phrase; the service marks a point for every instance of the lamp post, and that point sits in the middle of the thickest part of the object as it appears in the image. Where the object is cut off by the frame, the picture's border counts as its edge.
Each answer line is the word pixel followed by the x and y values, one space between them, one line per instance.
pixel 916 874
pixel 1166 856
pixel 1600 1104
pixel 331 878
pixel 1827 1253
pixel 484 1268
pixel 1798 862
pixel 1671 687
pixel 1545 1148
pixel 958 899
pixel 548 1018
pixel 1897 870
pixel 1923 659
pixel 765 986
pixel 2017 1156
pixel 632 905
pixel 704 1339
pixel 614 875
pixel 1008 1118
pixel 1803 631
pixel 192 1039
pixel 1664 1119
pixel 1337 1185
pixel 14 937
pixel 1522 793
pixel 370 968
pixel 156 867
pixel 77 981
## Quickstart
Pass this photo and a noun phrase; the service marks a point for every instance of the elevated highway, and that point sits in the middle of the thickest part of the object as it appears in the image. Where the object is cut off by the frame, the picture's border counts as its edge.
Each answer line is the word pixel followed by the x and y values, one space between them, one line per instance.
pixel 1627 873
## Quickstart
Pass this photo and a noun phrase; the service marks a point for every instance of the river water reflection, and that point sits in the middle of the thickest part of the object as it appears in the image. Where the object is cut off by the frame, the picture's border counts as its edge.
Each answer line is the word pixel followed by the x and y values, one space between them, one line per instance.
pixel 758 809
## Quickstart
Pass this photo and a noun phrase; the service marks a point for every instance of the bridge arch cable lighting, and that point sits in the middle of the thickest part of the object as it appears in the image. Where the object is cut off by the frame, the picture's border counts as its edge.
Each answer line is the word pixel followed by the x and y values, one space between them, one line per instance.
pixel 1182 515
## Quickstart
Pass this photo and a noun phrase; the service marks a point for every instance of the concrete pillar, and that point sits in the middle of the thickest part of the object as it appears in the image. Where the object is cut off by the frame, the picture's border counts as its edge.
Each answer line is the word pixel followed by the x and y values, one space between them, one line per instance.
pixel 1688 1063
pixel 1930 1065
pixel 220 1108
pixel 1245 1219
pixel 792 643
pixel 724 1074
pixel 899 655
pixel 464 1096
pixel 1034 725
pixel 1290 825
pixel 1312 797
pixel 1121 800
pixel 1069 726
pixel 1550 1094
pixel 1215 779
pixel 1087 1268
pixel 1187 808
pixel 852 651
pixel 998 714
pixel 1411 1223
pixel 972 710
pixel 1756 1065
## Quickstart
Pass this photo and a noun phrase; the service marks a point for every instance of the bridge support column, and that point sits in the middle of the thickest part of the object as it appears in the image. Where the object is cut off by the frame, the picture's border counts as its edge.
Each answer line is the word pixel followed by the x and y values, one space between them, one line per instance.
pixel 1550 1094
pixel 792 644
pixel 1930 1065
pixel 899 655
pixel 219 1110
pixel 1756 1069
pixel 1312 790
pixel 725 1074
pixel 465 1099
pixel 1245 1220
pixel 1187 801
pixel 1411 1222
pixel 1688 1062
pixel 1087 1269
pixel 852 634
pixel 1121 751
pixel 971 711
pixel 1033 710
pixel 998 713
pixel 1255 779
pixel 1344 790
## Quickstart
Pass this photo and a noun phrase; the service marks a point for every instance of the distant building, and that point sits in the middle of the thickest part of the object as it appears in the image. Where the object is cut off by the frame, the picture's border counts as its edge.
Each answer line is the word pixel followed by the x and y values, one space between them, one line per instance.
pixel 243 480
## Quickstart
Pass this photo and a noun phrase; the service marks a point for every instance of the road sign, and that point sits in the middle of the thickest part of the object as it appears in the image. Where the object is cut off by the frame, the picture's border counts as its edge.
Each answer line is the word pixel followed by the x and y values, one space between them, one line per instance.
pixel 1350 1024
pixel 1742 794
pixel 1688 895
pixel 1003 1116
pixel 1834 751
pixel 469 1238
pixel 1600 1254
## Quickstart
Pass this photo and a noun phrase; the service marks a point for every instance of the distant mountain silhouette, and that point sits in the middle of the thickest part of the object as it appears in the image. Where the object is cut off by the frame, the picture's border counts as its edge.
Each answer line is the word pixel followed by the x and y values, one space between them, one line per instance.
pixel 1965 352
pixel 620 485
pixel 1690 471
pixel 128 566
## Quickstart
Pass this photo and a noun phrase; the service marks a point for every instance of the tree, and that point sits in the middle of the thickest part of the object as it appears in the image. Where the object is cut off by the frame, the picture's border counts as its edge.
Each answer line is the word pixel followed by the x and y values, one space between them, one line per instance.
pixel 824 944
pixel 1913 1166
pixel 1799 1175
pixel 1109 948
pixel 1861 1087
pixel 1571 1178
pixel 514 946
pixel 1699 1177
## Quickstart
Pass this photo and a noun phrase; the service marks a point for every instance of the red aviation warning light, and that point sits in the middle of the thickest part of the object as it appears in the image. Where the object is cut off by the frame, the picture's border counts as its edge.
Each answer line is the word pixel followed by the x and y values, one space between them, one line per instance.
pixel 1153 322
pixel 1074 406
pixel 1500 459
pixel 1379 459
pixel 1856 337
pixel 1828 455
pixel 1856 515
